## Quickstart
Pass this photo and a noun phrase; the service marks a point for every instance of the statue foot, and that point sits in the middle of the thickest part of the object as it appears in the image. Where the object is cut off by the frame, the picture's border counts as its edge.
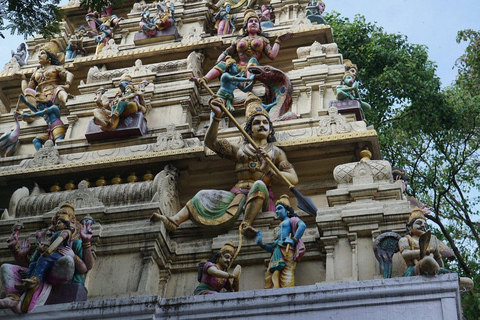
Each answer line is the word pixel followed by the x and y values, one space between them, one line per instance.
pixel 27 284
pixel 11 301
pixel 249 232
pixel 465 284
pixel 169 224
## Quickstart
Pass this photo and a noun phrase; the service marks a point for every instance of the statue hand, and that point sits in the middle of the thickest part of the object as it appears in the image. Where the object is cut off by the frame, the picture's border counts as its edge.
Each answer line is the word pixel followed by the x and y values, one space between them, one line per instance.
pixel 86 232
pixel 259 240
pixel 66 251
pixel 26 115
pixel 22 98
pixel 24 248
pixel 285 36
pixel 22 273
pixel 215 105
pixel 12 240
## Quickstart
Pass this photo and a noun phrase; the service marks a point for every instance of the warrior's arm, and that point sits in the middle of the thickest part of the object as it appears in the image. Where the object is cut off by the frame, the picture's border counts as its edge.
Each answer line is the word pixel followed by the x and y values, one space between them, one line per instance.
pixel 285 167
pixel 221 146
pixel 62 236
pixel 407 253
pixel 215 272
pixel 301 226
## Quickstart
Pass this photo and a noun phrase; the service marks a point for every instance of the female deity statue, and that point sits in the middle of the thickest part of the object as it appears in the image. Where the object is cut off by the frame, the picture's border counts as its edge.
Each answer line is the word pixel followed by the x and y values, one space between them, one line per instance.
pixel 50 79
pixel 266 18
pixel 250 48
pixel 314 11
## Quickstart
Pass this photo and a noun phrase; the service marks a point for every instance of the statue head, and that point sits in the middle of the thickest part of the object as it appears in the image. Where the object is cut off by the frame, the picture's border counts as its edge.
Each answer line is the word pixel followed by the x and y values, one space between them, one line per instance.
pixel 226 254
pixel 283 207
pixel 348 78
pixel 255 112
pixel 251 22
pixel 400 174
pixel 231 64
pixel 417 223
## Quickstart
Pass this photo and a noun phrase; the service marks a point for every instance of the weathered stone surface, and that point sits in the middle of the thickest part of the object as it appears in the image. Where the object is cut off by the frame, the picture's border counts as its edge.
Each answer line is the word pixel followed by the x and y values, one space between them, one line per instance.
pixel 431 297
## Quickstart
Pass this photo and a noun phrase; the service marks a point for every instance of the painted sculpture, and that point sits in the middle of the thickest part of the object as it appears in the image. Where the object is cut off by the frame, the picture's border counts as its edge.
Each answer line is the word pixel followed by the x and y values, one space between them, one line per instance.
pixel 421 250
pixel 50 79
pixel 224 20
pixel 9 140
pixel 163 19
pixel 250 48
pixel 252 193
pixel 75 45
pixel 287 248
pixel 213 275
pixel 314 11
pixel 102 26
pixel 266 18
pixel 348 88
pixel 29 283
pixel 51 114
pixel 21 54
pixel 127 101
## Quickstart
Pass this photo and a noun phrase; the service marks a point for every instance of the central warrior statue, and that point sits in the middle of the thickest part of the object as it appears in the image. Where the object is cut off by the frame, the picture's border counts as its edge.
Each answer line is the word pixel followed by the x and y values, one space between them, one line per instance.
pixel 252 193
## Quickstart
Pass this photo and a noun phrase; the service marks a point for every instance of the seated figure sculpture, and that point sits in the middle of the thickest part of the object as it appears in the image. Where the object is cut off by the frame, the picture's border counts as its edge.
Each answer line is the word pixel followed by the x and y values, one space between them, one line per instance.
pixel 422 251
pixel 127 101
pixel 252 193
pixel 348 90
pixel 23 291
pixel 314 11
pixel 213 275
pixel 287 248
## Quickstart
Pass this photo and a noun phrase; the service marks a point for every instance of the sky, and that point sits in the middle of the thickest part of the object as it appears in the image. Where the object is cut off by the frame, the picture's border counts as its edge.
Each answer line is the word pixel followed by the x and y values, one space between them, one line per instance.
pixel 428 22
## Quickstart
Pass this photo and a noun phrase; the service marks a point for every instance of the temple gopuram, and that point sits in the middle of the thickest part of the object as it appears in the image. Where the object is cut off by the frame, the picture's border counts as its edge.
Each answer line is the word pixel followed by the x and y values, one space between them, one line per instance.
pixel 198 160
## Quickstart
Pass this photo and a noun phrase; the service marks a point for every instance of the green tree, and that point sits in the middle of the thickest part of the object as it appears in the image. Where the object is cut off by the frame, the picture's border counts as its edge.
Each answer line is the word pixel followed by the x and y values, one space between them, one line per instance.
pixel 432 133
pixel 29 17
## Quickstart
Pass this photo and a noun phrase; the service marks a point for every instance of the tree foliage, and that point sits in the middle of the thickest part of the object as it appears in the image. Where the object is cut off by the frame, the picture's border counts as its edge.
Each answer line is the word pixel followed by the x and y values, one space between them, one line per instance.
pixel 433 133
pixel 30 17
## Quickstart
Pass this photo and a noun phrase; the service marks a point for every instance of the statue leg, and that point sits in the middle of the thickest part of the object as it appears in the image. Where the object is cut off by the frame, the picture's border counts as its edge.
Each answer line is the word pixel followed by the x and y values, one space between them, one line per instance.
pixel 257 200
pixel 276 279
pixel 171 223
pixel 37 143
pixel 428 266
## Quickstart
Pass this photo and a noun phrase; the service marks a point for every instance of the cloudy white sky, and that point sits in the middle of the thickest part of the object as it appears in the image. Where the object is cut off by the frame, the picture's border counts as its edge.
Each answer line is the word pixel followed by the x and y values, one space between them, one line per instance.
pixel 428 22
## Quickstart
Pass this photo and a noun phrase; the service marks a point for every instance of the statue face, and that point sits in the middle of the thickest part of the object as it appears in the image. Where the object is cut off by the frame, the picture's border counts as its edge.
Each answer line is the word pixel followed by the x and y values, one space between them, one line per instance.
pixel 224 260
pixel 419 227
pixel 260 127
pixel 281 212
pixel 227 8
pixel 42 57
pixel 233 69
pixel 253 25
pixel 348 80
pixel 321 8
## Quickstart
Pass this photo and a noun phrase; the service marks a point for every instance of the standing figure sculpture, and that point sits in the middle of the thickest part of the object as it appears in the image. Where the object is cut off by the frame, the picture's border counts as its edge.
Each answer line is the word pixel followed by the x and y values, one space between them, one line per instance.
pixel 21 54
pixel 252 193
pixel 29 283
pixel 314 11
pixel 225 21
pixel 127 101
pixel 287 248
pixel 164 18
pixel 213 275
pixel 51 113
pixel 51 78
